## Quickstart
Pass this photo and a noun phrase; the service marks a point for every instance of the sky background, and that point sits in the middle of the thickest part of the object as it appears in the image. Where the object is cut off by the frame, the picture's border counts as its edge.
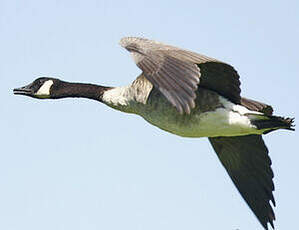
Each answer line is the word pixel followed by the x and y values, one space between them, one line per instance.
pixel 77 164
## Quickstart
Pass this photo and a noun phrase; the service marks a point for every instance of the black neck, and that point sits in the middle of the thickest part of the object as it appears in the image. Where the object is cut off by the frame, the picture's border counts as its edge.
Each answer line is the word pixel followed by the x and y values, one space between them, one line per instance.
pixel 69 89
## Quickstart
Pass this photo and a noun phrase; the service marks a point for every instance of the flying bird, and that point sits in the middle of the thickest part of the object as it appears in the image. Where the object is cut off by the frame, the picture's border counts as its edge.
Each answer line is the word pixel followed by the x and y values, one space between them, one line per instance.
pixel 191 95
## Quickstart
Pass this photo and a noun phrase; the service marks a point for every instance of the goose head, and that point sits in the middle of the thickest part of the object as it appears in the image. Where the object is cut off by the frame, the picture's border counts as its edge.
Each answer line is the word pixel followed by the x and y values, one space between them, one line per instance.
pixel 41 88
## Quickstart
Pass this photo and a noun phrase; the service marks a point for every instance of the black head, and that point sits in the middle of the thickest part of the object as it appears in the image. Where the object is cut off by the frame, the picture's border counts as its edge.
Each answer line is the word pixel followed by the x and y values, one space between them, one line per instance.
pixel 40 88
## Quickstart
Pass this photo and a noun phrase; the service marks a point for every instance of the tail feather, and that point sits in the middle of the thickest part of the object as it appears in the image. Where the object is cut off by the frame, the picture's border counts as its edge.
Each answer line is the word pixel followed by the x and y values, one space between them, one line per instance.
pixel 271 123
pixel 266 121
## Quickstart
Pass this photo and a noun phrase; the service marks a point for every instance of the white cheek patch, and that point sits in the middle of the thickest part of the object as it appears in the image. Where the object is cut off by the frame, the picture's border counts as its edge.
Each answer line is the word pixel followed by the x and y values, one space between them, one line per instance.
pixel 44 90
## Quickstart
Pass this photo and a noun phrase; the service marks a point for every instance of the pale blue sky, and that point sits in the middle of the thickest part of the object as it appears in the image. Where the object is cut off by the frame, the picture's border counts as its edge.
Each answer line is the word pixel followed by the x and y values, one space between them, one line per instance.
pixel 76 164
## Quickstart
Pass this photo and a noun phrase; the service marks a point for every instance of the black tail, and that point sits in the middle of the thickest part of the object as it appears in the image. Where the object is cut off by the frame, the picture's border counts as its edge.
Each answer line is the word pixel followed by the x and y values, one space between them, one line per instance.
pixel 266 121
pixel 271 123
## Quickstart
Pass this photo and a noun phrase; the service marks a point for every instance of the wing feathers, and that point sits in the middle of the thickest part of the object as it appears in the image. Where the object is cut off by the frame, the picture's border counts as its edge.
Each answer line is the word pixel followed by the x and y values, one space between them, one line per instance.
pixel 256 106
pixel 175 79
pixel 221 78
pixel 177 72
pixel 246 160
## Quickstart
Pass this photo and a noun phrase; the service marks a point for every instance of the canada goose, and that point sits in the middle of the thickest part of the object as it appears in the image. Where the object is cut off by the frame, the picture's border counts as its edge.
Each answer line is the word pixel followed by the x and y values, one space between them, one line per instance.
pixel 191 95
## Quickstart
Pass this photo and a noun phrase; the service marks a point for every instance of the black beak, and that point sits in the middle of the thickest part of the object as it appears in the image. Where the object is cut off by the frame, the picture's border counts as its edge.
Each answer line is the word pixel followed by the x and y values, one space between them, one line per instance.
pixel 26 90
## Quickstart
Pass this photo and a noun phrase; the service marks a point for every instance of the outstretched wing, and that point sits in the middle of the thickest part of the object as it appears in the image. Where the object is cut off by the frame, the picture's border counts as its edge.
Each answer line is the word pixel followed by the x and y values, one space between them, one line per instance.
pixel 177 72
pixel 246 160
